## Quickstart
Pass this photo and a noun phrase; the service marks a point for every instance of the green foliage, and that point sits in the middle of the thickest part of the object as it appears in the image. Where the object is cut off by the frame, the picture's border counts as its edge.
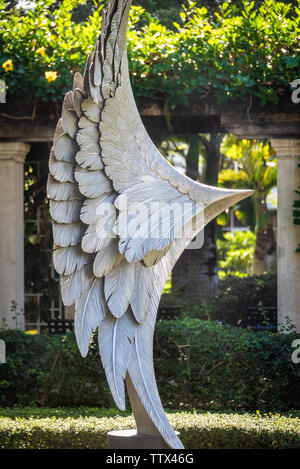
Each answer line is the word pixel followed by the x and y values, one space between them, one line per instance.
pixel 26 358
pixel 257 170
pixel 235 295
pixel 235 52
pixel 199 364
pixel 223 366
pixel 233 55
pixel 41 40
pixel 235 253
pixel 86 428
pixel 255 158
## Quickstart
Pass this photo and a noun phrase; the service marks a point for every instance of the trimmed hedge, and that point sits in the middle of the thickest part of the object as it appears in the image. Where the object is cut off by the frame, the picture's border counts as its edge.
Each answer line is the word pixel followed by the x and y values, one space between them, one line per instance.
pixel 199 364
pixel 87 429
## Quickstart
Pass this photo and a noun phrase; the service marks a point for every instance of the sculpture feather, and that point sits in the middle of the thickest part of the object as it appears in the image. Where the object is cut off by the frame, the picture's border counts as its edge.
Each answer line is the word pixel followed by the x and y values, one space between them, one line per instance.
pixel 118 288
pixel 116 336
pixel 108 187
pixel 67 234
pixel 73 286
pixel 90 310
pixel 61 171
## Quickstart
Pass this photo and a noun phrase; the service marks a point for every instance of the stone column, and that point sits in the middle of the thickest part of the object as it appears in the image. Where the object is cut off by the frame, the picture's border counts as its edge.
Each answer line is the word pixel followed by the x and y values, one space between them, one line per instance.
pixel 12 155
pixel 288 234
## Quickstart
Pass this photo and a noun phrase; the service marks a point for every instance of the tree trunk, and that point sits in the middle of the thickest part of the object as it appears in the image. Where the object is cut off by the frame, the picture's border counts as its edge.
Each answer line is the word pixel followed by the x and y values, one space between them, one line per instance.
pixel 264 258
pixel 194 277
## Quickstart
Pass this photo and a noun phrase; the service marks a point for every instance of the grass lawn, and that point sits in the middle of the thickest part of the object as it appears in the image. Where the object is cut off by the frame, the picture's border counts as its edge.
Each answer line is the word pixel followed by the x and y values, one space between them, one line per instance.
pixel 85 427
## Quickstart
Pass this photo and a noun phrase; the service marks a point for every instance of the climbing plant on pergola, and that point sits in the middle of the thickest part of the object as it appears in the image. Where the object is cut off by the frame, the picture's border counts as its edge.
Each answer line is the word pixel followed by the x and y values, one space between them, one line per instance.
pixel 231 53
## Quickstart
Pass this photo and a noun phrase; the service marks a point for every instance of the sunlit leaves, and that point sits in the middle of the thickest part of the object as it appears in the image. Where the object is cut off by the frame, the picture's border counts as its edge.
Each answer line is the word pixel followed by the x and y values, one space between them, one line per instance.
pixel 235 53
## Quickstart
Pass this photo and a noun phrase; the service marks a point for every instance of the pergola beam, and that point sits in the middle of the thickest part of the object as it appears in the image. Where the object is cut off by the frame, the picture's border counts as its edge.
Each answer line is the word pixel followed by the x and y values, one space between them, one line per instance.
pixel 28 122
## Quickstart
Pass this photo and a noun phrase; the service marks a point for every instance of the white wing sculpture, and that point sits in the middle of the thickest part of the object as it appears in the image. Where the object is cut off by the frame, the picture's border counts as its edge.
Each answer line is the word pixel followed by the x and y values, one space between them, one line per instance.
pixel 106 175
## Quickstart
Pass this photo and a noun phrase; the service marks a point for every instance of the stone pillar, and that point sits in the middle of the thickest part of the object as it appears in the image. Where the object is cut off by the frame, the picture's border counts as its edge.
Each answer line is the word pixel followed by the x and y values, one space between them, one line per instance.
pixel 288 234
pixel 12 155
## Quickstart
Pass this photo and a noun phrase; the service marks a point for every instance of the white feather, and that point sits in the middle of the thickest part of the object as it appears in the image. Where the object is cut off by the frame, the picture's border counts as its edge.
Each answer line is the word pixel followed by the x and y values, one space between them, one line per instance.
pixel 94 90
pixel 92 184
pixel 65 211
pixel 141 372
pixel 118 288
pixel 91 110
pixel 115 338
pixel 91 208
pixel 78 97
pixel 62 190
pixel 107 258
pixel 90 309
pixel 140 366
pixel 70 122
pixel 88 127
pixel 96 238
pixel 159 213
pixel 89 157
pixel 73 286
pixel 65 148
pixel 99 233
pixel 59 130
pixel 97 72
pixel 68 102
pixel 154 257
pixel 140 300
pixel 68 234
pixel 60 170
pixel 78 82
pixel 86 135
pixel 67 260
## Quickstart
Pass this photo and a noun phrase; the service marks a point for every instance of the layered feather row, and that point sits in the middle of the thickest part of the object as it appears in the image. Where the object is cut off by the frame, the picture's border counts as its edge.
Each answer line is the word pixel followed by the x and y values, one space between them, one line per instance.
pixel 94 274
pixel 101 270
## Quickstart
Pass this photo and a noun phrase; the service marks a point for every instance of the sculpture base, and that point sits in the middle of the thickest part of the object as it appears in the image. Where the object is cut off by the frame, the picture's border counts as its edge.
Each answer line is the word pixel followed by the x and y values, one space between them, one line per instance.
pixel 130 439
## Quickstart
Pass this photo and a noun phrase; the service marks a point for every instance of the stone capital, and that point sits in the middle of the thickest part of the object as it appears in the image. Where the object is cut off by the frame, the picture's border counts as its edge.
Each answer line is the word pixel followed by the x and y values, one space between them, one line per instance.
pixel 286 147
pixel 15 151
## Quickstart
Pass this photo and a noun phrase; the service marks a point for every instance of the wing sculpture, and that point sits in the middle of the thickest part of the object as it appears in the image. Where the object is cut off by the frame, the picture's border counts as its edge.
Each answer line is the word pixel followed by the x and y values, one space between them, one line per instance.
pixel 108 186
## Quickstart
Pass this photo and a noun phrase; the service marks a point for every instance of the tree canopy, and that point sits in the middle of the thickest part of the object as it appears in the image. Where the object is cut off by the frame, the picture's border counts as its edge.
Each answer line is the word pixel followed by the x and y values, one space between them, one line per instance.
pixel 236 50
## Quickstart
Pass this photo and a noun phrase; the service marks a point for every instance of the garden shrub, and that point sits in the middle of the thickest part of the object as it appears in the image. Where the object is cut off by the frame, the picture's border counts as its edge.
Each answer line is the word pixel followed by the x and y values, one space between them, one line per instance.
pixel 213 365
pixel 234 296
pixel 50 370
pixel 87 428
pixel 199 364
pixel 26 359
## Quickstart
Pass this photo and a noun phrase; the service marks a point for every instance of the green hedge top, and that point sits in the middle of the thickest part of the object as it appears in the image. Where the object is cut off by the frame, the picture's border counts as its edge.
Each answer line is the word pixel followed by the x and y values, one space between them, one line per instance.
pixel 236 53
pixel 85 428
